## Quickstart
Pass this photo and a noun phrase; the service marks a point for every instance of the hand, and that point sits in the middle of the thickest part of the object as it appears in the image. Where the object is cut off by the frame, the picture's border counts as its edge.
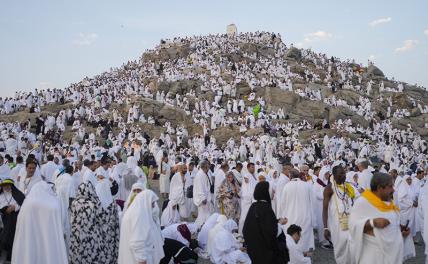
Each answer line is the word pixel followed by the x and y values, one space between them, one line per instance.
pixel 327 234
pixel 308 254
pixel 380 222
pixel 243 249
pixel 246 180
pixel 405 232
pixel 142 262
pixel 10 209
pixel 283 221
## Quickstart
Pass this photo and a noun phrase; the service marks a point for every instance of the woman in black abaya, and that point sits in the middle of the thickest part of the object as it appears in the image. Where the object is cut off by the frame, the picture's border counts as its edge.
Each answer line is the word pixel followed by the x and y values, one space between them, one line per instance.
pixel 11 200
pixel 261 229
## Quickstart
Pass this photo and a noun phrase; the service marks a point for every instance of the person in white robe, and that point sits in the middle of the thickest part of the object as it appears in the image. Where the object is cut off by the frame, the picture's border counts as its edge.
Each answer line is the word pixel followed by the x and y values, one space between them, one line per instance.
pixel 318 192
pixel 365 175
pixel 423 214
pixel 221 219
pixel 407 204
pixel 172 232
pixel 140 235
pixel 284 178
pixel 339 197
pixel 296 195
pixel 47 169
pixel 224 246
pixel 247 190
pixel 374 225
pixel 178 191
pixel 202 195
pixel 170 215
pixel 165 171
pixel 89 174
pixel 65 190
pixel 219 177
pixel 39 230
pixel 31 178
pixel 292 238
pixel 135 189
pixel 203 234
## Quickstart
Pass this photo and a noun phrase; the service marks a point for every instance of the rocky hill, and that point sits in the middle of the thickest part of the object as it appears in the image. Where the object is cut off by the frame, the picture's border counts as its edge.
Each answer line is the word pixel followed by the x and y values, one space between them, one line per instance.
pixel 196 60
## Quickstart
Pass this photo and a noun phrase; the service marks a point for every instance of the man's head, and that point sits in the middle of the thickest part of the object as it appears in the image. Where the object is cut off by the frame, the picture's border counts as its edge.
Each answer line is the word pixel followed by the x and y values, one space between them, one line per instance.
pixel 30 166
pixel 50 157
pixel 420 174
pixel 393 173
pixel 19 160
pixel 339 174
pixel 362 165
pixel 294 231
pixel 304 169
pixel 191 166
pixel 68 169
pixel 382 186
pixel 251 168
pixel 224 167
pixel 238 167
pixel 105 162
pixel 294 174
pixel 286 169
pixel 78 165
pixel 182 168
pixel 65 163
pixel 86 163
pixel 92 165
pixel 317 170
pixel 205 166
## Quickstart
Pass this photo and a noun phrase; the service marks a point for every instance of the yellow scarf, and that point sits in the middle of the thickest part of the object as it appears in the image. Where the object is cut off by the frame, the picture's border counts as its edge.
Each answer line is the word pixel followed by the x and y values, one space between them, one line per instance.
pixel 378 203
pixel 349 190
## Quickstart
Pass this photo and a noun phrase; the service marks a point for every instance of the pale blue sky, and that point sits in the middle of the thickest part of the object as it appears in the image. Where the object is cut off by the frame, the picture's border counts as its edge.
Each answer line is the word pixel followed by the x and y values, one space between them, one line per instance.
pixel 54 43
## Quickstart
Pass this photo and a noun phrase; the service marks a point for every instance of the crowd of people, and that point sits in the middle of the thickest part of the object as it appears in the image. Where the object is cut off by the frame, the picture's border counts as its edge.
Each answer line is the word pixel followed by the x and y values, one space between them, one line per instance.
pixel 111 193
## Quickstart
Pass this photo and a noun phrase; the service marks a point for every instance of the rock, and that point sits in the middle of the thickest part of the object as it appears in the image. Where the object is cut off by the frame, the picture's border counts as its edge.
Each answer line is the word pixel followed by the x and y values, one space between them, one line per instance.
pixel 254 132
pixel 415 112
pixel 222 134
pixel 282 98
pixel 373 71
pixel 293 53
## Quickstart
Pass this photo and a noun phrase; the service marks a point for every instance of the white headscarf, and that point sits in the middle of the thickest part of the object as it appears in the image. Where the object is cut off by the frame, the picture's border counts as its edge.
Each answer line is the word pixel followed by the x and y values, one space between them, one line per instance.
pixel 140 234
pixel 39 227
pixel 104 193
pixel 132 162
pixel 221 220
pixel 132 195
pixel 170 215
pixel 323 171
pixel 203 234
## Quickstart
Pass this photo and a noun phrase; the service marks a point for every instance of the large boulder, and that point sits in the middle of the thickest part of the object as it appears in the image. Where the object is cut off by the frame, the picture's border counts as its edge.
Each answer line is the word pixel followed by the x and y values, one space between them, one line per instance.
pixel 222 134
pixel 373 71
pixel 293 53
pixel 282 98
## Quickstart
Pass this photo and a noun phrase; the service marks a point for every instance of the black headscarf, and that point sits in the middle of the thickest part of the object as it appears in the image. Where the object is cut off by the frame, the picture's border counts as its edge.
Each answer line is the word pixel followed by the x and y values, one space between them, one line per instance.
pixel 261 192
pixel 17 195
pixel 261 228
